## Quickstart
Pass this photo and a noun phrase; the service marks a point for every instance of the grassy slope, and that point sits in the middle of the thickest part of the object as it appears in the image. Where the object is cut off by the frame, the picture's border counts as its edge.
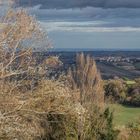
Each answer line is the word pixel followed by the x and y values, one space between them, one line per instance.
pixel 123 114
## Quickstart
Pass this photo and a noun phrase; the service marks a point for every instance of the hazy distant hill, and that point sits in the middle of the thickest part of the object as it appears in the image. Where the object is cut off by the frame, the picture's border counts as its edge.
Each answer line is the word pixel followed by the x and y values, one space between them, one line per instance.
pixel 108 69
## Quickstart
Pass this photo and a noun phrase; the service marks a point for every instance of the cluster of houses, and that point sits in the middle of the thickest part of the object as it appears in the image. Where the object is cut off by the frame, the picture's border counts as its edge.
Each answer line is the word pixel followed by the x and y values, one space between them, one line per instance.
pixel 118 59
pixel 114 59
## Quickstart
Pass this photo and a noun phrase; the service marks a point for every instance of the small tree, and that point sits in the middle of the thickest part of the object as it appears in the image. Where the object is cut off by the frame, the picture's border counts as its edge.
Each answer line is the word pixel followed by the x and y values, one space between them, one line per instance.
pixel 85 77
pixel 19 35
pixel 115 90
pixel 15 36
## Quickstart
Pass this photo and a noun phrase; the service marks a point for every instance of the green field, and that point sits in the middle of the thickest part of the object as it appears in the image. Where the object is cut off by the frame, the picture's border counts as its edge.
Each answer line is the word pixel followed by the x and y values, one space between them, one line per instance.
pixel 130 82
pixel 124 115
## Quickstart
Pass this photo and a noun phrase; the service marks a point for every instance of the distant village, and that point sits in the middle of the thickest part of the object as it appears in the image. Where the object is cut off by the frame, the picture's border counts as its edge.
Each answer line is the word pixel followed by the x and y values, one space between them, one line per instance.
pixel 118 59
pixel 128 63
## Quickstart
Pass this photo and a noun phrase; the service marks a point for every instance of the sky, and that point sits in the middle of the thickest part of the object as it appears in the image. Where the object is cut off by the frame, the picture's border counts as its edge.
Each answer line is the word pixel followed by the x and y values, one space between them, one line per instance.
pixel 112 23
pixel 81 3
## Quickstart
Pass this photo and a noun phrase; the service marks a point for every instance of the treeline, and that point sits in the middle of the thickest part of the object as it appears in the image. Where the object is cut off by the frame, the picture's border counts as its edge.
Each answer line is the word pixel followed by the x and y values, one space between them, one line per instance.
pixel 126 91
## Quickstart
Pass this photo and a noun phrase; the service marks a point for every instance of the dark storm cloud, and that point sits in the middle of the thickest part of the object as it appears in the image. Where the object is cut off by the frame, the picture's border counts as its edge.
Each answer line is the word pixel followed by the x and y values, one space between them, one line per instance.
pixel 81 3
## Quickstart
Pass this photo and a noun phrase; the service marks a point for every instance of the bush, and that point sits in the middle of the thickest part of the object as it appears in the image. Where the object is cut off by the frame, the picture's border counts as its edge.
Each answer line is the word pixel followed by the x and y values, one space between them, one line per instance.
pixel 115 90
pixel 133 95
pixel 134 131
pixel 101 126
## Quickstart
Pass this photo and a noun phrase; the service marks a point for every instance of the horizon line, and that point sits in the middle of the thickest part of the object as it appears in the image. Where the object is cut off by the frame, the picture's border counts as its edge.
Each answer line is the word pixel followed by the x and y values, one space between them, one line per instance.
pixel 95 49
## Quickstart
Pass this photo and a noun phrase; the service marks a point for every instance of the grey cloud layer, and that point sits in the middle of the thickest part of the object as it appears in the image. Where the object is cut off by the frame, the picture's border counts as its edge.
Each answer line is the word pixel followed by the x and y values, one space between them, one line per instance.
pixel 81 3
pixel 93 19
pixel 117 13
pixel 122 15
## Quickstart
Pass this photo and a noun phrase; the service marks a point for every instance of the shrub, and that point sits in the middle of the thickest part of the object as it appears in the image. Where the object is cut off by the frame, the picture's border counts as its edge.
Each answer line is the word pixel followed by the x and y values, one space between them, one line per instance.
pixel 134 131
pixel 38 114
pixel 133 95
pixel 100 126
pixel 115 90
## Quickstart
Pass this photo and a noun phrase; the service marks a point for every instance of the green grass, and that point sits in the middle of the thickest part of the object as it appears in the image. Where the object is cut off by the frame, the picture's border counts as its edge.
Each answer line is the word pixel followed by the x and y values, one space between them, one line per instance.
pixel 129 82
pixel 124 115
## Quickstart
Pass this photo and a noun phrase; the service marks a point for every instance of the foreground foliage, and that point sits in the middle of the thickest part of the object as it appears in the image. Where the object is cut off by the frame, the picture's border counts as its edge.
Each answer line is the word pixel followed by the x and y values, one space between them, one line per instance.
pixel 52 111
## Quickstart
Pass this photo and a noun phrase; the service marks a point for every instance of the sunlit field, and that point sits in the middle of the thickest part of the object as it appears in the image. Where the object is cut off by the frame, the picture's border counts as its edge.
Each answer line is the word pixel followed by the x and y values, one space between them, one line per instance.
pixel 124 115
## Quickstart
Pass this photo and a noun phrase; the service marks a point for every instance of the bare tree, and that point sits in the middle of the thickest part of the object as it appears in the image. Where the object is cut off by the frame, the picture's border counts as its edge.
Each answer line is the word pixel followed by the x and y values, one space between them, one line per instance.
pixel 18 29
pixel 20 33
